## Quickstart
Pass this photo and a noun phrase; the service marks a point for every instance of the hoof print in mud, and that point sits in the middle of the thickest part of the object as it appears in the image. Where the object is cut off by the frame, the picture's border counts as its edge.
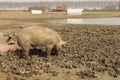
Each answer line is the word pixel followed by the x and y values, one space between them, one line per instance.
pixel 85 74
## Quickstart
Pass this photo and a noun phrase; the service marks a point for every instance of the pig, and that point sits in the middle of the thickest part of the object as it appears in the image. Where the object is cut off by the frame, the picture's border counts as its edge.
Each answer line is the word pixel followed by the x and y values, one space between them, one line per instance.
pixel 37 36
pixel 4 48
pixel 3 38
pixel 7 43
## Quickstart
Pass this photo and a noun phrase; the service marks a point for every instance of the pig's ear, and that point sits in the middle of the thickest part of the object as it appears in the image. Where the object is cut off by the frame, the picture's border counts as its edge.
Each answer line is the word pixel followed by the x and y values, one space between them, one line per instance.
pixel 64 42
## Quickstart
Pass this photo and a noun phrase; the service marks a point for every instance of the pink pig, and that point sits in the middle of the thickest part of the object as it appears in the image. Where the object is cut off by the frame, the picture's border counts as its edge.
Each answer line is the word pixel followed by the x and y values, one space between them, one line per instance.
pixel 5 48
pixel 37 36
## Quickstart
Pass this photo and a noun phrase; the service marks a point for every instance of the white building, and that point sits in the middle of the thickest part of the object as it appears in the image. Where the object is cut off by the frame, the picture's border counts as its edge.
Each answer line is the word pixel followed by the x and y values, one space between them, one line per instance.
pixel 36 11
pixel 74 11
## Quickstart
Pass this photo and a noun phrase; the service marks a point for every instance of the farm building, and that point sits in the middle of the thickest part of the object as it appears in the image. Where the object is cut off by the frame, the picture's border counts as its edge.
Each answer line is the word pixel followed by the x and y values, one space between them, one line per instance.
pixel 74 11
pixel 60 8
pixel 36 11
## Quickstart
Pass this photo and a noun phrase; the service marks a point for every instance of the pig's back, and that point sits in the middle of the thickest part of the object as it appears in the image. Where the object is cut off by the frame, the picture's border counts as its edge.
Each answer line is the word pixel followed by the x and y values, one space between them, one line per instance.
pixel 40 34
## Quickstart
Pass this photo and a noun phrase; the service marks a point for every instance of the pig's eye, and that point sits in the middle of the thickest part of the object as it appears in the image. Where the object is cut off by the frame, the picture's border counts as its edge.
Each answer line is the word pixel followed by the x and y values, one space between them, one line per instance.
pixel 11 43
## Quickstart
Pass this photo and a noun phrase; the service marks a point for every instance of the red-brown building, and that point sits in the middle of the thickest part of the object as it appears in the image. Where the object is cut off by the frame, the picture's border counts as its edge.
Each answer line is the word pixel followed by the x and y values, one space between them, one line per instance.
pixel 60 8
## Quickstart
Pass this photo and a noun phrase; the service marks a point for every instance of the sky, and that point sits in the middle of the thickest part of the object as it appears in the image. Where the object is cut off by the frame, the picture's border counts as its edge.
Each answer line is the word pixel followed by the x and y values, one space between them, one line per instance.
pixel 49 0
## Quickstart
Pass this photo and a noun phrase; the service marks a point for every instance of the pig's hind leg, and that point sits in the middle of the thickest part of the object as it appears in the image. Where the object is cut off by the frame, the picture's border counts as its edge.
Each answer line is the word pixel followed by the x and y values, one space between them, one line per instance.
pixel 49 50
pixel 26 49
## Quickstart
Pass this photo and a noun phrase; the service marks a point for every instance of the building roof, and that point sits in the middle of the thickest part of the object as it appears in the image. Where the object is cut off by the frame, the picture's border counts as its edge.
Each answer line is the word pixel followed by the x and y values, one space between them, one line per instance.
pixel 36 8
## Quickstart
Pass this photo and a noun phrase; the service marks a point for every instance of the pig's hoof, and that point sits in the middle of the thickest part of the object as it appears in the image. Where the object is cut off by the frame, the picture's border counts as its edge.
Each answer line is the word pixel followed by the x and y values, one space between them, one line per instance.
pixel 26 58
pixel 48 58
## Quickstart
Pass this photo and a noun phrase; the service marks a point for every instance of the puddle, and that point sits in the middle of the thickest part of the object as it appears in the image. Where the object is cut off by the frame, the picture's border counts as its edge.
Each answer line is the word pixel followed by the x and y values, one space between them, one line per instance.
pixel 102 21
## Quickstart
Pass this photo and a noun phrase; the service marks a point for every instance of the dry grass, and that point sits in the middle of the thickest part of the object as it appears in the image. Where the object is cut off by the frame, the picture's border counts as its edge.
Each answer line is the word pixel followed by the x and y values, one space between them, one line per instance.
pixel 14 19
pixel 22 14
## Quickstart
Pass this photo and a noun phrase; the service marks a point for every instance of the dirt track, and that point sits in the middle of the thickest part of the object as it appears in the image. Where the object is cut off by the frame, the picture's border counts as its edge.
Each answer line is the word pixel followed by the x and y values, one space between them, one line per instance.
pixel 91 50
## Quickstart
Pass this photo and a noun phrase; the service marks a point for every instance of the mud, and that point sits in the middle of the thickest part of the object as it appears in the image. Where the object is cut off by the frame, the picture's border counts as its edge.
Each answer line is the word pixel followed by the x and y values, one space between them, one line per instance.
pixel 91 49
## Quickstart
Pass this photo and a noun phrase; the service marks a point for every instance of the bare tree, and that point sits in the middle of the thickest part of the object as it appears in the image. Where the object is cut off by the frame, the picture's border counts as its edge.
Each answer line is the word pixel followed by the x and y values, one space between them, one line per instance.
pixel 119 5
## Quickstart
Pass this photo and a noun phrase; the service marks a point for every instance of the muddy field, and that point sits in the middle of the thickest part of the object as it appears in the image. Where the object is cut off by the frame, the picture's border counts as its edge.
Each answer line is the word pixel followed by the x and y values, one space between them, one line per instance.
pixel 89 52
pixel 92 53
